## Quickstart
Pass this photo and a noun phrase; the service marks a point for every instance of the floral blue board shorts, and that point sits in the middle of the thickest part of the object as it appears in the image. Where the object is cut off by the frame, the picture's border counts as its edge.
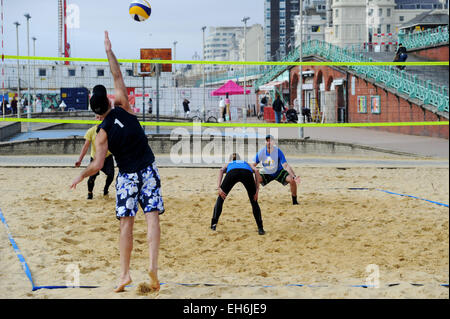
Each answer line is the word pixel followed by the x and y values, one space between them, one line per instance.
pixel 143 188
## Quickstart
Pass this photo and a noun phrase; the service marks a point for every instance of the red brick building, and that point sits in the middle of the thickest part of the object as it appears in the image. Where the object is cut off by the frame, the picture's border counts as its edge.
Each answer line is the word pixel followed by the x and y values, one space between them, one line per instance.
pixel 342 96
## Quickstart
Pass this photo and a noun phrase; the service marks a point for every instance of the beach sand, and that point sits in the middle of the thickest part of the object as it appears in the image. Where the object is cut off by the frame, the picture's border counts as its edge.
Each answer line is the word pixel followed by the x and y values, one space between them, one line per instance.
pixel 329 239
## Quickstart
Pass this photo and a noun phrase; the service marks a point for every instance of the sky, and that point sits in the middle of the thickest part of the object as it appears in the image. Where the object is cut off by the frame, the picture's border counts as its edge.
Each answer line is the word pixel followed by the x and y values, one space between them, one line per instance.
pixel 171 20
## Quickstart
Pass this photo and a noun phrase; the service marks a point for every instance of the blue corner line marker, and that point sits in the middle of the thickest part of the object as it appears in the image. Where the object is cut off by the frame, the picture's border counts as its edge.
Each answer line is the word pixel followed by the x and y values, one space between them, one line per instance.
pixel 34 288
pixel 393 193
pixel 427 200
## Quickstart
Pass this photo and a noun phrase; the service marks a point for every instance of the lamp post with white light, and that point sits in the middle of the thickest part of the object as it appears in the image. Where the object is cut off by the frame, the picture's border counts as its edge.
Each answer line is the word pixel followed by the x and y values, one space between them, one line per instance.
pixel 19 104
pixel 29 108
pixel 34 71
pixel 204 88
pixel 245 19
pixel 174 73
pixel 301 132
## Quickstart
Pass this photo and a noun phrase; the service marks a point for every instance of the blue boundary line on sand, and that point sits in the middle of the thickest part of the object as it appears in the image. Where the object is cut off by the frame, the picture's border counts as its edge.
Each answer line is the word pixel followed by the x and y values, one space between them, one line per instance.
pixel 405 195
pixel 393 193
pixel 34 288
pixel 24 263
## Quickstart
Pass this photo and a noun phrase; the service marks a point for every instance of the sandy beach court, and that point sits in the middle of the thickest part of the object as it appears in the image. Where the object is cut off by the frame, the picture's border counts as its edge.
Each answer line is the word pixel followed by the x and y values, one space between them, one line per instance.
pixel 328 240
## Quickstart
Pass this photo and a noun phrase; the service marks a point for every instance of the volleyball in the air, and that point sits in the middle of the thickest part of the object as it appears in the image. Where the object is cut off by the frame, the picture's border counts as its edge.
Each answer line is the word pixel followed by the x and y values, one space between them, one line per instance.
pixel 140 10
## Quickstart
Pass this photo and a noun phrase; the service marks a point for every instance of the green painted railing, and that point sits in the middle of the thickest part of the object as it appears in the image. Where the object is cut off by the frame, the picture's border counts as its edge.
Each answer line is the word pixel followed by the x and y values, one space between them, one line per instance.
pixel 274 70
pixel 425 38
pixel 403 82
pixel 233 75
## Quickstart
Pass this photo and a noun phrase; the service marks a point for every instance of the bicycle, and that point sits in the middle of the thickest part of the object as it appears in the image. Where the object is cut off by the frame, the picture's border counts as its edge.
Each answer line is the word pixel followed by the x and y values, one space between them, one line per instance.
pixel 211 117
pixel 198 116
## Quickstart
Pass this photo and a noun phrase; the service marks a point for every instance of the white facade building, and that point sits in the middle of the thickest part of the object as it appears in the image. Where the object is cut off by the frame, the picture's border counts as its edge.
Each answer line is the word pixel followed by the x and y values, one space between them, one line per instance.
pixel 220 42
pixel 255 44
pixel 313 28
pixel 373 23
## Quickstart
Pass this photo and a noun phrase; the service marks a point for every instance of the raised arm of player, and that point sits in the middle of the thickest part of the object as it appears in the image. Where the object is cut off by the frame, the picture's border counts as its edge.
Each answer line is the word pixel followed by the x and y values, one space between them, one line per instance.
pixel 101 146
pixel 121 95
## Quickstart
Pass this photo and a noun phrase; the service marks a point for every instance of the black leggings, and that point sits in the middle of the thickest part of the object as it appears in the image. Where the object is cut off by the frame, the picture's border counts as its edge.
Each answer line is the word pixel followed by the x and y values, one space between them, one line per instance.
pixel 231 178
pixel 108 169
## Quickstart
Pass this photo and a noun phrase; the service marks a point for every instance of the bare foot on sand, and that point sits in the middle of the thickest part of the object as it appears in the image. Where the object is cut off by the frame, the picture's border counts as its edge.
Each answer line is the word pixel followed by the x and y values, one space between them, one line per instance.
pixel 154 282
pixel 123 282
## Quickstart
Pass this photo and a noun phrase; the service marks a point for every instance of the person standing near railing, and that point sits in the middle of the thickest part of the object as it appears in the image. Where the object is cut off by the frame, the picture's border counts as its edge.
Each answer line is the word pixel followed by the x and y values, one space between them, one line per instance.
pixel 263 105
pixel 222 108
pixel 186 107
pixel 227 108
pixel 278 107
pixel 401 56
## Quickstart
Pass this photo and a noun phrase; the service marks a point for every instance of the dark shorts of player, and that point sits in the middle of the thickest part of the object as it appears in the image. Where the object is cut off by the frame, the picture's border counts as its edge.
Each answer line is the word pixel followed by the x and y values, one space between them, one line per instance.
pixel 141 188
pixel 108 167
pixel 281 178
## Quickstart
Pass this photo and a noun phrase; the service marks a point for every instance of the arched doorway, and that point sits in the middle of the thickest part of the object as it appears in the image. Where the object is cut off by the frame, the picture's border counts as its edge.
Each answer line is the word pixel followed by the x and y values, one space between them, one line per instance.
pixel 329 108
pixel 319 88
pixel 329 84
pixel 294 87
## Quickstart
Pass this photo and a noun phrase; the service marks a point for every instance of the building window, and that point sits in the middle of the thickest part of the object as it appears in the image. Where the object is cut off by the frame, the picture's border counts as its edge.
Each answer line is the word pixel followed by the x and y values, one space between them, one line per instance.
pixel 370 12
pixel 336 29
pixel 402 18
pixel 129 72
pixel 42 72
pixel 388 12
pixel 388 28
pixel 362 104
pixel 71 72
pixel 336 13
pixel 100 72
pixel 380 12
pixel 379 28
pixel 375 107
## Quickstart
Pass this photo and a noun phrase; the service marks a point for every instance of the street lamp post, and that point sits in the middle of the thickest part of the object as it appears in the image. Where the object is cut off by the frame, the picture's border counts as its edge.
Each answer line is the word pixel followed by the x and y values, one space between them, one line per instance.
pixel 19 104
pixel 174 72
pixel 204 88
pixel 29 109
pixel 245 19
pixel 34 72
pixel 300 82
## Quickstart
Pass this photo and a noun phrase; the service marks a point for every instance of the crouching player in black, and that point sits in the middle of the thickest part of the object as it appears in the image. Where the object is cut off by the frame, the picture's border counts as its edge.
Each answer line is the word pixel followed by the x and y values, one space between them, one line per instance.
pixel 238 171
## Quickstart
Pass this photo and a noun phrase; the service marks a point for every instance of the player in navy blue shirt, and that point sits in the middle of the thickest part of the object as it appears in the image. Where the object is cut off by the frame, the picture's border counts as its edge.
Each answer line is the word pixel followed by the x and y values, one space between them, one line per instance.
pixel 238 171
pixel 275 167
pixel 138 181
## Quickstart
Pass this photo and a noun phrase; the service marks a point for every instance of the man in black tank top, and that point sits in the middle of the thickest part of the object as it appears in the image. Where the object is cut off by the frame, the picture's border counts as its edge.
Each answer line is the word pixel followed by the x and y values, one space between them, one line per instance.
pixel 138 181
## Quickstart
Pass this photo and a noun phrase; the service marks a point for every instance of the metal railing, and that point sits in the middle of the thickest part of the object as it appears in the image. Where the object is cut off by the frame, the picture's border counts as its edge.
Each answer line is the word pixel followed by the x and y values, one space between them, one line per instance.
pixel 251 71
pixel 425 38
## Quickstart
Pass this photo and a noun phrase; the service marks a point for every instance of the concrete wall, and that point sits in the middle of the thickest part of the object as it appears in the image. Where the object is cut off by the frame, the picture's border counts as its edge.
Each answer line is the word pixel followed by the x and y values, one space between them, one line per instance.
pixel 165 144
pixel 8 130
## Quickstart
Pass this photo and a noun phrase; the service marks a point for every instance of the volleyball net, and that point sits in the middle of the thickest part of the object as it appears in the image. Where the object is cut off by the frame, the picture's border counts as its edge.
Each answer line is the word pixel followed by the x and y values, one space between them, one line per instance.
pixel 339 94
